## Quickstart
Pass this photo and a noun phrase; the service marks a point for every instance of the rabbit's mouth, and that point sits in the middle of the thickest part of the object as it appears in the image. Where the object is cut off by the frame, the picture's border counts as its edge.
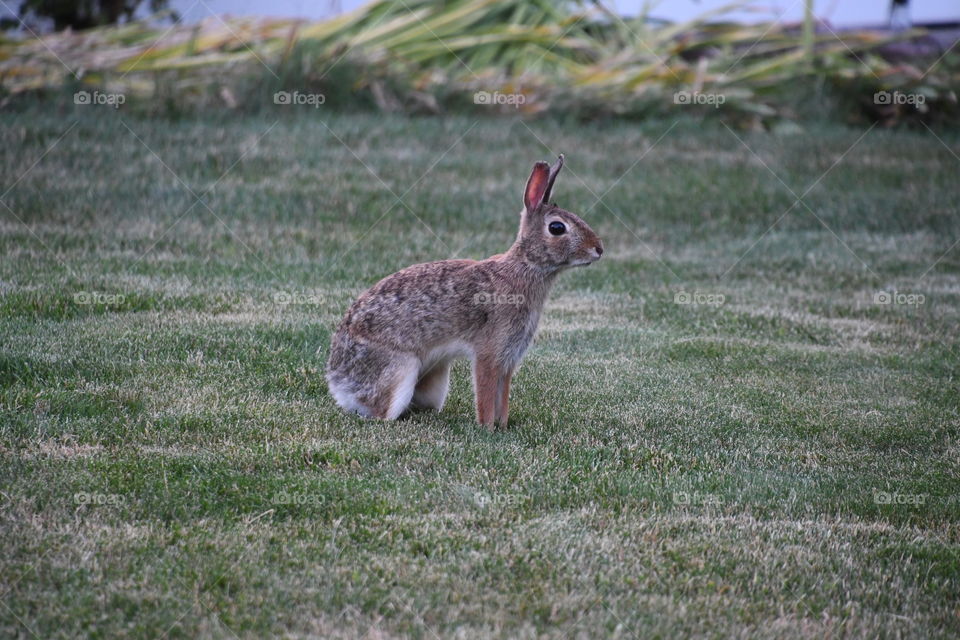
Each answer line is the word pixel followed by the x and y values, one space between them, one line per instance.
pixel 582 262
pixel 589 260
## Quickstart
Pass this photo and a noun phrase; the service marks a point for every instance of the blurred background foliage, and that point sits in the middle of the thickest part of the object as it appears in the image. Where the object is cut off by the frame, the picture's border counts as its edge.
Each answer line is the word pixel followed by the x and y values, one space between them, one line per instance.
pixel 84 14
pixel 423 56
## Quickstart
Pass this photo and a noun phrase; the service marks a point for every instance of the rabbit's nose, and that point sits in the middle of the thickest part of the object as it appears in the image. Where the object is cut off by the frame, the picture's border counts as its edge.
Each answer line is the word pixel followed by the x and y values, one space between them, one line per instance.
pixel 599 250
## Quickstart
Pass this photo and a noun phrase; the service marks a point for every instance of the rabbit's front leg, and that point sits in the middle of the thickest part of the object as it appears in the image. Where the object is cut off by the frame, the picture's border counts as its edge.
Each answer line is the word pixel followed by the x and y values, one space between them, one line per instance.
pixel 486 378
pixel 503 399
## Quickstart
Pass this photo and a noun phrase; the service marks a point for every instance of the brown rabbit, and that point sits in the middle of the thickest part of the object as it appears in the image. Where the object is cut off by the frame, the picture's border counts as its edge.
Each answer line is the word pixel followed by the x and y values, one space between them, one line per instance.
pixel 395 346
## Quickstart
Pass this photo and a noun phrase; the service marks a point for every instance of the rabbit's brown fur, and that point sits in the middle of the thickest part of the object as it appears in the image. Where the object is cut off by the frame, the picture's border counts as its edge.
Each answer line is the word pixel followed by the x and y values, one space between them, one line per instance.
pixel 396 343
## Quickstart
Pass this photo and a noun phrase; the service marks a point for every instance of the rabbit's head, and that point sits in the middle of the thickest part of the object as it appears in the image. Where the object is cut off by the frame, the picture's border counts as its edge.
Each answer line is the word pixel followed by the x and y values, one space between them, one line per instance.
pixel 550 237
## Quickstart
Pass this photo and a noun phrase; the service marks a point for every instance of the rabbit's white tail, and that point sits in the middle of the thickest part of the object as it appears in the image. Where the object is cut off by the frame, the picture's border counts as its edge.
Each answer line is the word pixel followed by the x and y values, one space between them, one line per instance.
pixel 347 399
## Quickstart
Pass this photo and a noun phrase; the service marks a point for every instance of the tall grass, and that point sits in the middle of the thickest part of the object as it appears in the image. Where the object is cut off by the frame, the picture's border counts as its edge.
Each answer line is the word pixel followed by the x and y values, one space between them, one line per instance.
pixel 424 54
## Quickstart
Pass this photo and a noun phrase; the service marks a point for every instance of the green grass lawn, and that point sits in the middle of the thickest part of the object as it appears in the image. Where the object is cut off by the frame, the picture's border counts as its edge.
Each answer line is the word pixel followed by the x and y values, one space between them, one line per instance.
pixel 779 457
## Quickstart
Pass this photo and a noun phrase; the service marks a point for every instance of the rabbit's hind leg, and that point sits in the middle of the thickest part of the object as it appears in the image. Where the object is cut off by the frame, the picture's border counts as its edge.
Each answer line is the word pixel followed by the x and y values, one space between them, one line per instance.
pixel 371 379
pixel 432 387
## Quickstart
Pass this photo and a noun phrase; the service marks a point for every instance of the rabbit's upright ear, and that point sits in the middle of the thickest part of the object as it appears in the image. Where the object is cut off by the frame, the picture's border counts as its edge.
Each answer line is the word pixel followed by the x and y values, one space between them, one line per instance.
pixel 554 170
pixel 538 184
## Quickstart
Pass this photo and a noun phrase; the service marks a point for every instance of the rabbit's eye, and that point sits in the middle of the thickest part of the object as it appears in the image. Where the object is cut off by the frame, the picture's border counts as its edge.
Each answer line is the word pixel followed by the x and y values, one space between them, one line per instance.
pixel 557 228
